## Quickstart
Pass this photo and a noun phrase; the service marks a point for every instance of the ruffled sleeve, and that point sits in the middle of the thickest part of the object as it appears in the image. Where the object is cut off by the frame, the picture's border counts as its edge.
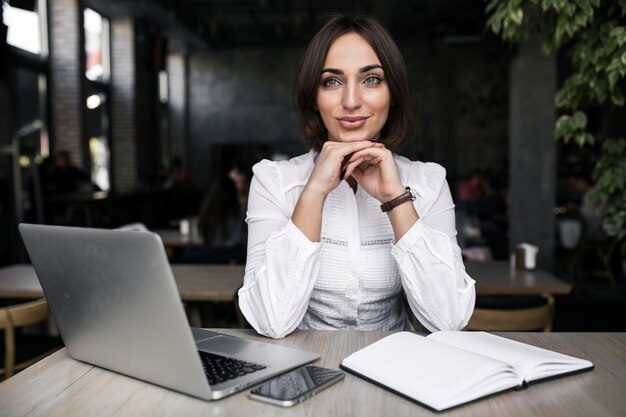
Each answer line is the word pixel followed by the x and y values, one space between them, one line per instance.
pixel 439 291
pixel 282 264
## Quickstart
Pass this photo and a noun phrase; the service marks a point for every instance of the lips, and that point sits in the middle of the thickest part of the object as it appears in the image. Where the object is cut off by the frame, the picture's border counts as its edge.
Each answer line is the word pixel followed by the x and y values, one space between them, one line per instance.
pixel 352 122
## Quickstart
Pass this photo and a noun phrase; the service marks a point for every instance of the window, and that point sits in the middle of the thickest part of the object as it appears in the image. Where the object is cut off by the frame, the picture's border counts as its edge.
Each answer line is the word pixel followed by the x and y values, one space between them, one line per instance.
pixel 27 42
pixel 96 127
pixel 163 87
pixel 96 46
pixel 164 127
pixel 25 81
pixel 29 112
pixel 97 72
pixel 27 29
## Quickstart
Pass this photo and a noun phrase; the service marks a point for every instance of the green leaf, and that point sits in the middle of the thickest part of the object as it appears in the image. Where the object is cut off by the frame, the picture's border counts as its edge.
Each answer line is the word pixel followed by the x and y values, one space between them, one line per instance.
pixel 610 45
pixel 619 34
pixel 563 128
pixel 584 138
pixel 617 97
pixel 517 16
pixel 580 119
pixel 615 66
pixel 613 77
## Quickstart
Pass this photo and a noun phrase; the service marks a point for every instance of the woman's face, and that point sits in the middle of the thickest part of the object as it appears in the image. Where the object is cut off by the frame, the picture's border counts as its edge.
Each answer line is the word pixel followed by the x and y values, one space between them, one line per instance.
pixel 353 97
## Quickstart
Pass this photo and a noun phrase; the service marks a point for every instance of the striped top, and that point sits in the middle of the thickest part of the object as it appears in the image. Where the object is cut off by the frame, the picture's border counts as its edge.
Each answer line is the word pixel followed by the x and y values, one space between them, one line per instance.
pixel 355 277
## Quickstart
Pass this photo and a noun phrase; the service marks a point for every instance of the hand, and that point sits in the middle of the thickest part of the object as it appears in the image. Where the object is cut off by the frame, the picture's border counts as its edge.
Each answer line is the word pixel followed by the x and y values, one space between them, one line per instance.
pixel 375 170
pixel 325 176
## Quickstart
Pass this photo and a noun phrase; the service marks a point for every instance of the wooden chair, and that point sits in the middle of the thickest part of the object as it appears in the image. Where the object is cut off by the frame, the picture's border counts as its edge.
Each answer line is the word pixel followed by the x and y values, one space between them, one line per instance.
pixel 514 320
pixel 20 350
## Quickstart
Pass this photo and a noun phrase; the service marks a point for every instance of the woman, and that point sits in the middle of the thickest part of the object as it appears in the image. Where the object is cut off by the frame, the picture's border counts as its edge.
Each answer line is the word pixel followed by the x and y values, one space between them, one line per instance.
pixel 338 234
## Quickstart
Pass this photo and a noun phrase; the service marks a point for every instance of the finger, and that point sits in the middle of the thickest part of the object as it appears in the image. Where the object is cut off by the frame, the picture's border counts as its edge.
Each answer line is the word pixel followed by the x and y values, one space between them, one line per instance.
pixel 344 164
pixel 354 166
pixel 349 157
pixel 349 172
pixel 356 173
pixel 359 158
pixel 361 145
pixel 370 153
pixel 369 156
pixel 337 151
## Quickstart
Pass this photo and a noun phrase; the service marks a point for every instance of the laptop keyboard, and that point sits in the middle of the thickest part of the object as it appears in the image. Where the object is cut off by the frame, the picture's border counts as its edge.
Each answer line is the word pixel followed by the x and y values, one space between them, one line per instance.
pixel 220 368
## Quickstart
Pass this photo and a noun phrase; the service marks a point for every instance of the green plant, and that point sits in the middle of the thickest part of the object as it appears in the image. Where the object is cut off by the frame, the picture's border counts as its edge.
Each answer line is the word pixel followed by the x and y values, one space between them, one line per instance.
pixel 593 35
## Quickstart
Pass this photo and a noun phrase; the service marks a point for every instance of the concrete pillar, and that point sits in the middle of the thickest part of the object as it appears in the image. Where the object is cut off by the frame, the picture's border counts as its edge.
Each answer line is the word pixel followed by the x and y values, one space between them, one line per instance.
pixel 123 106
pixel 66 77
pixel 532 151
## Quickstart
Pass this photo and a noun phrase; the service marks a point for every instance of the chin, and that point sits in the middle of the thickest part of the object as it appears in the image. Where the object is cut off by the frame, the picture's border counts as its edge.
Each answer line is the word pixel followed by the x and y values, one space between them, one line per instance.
pixel 353 137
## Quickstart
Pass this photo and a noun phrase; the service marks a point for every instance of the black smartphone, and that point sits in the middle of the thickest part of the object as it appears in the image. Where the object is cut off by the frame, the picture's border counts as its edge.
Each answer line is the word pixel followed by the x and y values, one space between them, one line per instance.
pixel 296 386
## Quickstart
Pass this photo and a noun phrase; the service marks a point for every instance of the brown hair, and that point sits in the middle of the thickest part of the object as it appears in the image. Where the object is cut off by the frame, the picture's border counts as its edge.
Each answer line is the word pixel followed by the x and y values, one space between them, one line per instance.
pixel 400 125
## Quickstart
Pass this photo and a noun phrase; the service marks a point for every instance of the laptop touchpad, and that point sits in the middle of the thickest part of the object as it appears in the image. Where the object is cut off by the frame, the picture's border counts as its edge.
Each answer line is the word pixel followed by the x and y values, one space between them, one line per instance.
pixel 226 345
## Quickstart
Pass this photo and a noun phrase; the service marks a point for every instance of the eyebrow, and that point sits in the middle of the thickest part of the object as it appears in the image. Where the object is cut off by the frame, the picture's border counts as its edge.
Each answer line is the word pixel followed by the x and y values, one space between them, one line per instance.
pixel 366 68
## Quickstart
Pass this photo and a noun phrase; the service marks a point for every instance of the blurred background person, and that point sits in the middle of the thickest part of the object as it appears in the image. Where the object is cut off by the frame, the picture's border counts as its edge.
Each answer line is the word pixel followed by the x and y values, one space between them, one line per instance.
pixel 59 175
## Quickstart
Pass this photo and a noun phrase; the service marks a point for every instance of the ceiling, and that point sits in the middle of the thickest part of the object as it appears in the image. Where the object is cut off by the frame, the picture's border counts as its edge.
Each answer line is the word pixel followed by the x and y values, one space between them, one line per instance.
pixel 250 23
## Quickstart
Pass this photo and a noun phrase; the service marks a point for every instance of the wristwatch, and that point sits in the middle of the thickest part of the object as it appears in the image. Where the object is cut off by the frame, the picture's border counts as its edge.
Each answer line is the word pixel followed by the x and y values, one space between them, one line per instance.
pixel 401 199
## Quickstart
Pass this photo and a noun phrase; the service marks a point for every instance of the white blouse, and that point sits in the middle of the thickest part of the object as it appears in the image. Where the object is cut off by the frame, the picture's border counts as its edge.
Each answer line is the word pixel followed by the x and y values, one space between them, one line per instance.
pixel 356 276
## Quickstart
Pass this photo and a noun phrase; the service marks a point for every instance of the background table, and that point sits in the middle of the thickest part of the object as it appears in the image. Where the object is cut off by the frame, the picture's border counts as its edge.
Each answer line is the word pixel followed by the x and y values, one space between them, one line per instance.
pixel 175 242
pixel 19 281
pixel 220 282
pixel 60 386
pixel 498 278
pixel 195 282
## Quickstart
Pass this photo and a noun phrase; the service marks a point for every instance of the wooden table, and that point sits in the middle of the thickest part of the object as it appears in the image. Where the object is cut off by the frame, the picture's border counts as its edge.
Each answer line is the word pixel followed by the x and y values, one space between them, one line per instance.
pixel 60 386
pixel 175 242
pixel 172 238
pixel 498 278
pixel 195 282
pixel 19 281
pixel 220 282
pixel 84 207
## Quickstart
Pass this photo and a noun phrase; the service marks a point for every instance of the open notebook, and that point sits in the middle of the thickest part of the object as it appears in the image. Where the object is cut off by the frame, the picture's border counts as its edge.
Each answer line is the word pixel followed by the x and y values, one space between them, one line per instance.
pixel 446 369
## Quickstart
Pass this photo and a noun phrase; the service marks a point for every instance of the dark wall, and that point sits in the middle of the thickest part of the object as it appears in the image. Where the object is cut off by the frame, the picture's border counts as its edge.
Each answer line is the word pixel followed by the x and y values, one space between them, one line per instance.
pixel 147 67
pixel 461 95
pixel 244 96
pixel 240 96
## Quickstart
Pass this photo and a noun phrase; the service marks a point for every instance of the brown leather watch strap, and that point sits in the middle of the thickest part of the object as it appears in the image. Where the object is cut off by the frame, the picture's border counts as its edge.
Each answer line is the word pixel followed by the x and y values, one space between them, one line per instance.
pixel 401 199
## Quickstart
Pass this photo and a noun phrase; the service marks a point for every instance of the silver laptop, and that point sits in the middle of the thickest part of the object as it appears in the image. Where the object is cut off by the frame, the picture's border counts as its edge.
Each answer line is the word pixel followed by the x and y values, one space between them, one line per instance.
pixel 116 305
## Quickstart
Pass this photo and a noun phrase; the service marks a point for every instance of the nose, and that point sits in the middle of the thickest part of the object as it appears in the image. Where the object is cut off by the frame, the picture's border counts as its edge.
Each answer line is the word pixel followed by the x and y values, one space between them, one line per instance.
pixel 351 98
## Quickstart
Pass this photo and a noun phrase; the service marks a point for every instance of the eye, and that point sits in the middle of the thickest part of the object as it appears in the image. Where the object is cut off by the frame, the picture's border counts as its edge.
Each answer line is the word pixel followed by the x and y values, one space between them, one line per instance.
pixel 373 80
pixel 330 82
